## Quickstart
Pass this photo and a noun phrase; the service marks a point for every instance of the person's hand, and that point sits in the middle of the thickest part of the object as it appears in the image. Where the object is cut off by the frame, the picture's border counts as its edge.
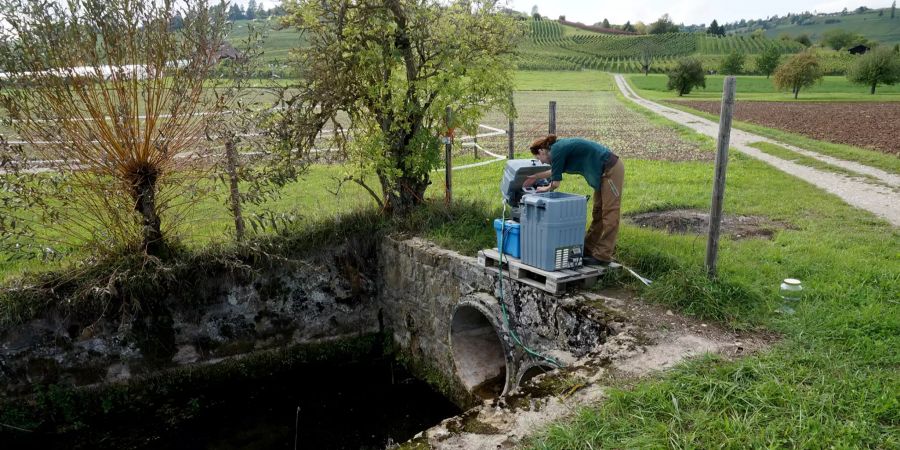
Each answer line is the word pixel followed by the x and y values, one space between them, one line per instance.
pixel 543 189
pixel 529 181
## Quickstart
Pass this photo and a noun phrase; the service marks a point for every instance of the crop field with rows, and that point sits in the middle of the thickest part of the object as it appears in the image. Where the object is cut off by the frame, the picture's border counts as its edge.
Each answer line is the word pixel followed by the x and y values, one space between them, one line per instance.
pixel 552 46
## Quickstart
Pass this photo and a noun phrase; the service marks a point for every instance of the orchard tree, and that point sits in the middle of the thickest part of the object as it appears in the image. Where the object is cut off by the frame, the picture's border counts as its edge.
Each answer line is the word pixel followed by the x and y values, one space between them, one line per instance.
pixel 879 66
pixel 393 67
pixel 116 91
pixel 733 64
pixel 800 71
pixel 768 60
pixel 686 75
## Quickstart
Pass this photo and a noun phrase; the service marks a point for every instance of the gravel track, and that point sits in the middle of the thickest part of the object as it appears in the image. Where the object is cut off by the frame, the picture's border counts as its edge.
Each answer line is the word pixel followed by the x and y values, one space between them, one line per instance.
pixel 881 200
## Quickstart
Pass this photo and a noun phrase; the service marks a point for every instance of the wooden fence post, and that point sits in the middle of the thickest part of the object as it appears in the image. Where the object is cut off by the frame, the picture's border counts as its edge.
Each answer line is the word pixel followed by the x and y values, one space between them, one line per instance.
pixel 552 117
pixel 511 131
pixel 511 134
pixel 448 160
pixel 718 194
pixel 475 144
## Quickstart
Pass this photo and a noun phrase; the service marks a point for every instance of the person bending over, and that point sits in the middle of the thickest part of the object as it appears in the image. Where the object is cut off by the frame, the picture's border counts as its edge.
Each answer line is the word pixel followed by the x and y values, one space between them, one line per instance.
pixel 603 171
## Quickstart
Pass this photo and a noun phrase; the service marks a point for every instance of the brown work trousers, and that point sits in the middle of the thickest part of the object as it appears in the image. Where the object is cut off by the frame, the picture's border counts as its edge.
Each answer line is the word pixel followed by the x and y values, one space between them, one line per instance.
pixel 600 240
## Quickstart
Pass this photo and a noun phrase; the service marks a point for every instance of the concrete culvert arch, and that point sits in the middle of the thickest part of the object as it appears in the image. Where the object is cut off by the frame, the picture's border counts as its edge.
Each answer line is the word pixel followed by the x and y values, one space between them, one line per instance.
pixel 482 356
pixel 531 370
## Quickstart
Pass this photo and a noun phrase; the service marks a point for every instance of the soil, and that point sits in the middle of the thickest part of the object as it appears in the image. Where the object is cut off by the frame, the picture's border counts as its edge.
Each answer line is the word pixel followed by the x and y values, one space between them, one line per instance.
pixel 689 221
pixel 870 125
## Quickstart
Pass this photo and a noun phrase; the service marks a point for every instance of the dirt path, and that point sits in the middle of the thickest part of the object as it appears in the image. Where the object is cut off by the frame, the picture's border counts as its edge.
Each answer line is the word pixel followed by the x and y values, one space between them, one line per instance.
pixel 881 200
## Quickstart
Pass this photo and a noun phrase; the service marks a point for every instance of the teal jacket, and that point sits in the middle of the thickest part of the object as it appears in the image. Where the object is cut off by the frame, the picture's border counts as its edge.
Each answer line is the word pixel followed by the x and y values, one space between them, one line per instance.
pixel 581 156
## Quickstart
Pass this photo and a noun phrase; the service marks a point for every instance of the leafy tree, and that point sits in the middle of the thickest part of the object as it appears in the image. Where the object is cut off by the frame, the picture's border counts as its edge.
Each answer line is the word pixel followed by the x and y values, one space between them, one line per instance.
pixel 879 66
pixel 640 27
pixel 235 12
pixel 768 60
pixel 686 75
pixel 800 71
pixel 838 39
pixel 534 12
pixel 177 21
pixel 119 91
pixel 804 39
pixel 715 29
pixel 628 27
pixel 733 63
pixel 393 66
pixel 663 25
pixel 250 14
pixel 605 23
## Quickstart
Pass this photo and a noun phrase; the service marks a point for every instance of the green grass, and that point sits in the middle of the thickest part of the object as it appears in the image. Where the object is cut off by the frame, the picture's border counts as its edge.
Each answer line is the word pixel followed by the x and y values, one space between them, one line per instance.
pixel 749 87
pixel 788 155
pixel 832 382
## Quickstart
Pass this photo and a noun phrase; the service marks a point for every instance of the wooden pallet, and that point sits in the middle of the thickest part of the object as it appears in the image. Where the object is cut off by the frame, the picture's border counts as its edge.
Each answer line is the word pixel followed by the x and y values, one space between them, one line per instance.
pixel 555 282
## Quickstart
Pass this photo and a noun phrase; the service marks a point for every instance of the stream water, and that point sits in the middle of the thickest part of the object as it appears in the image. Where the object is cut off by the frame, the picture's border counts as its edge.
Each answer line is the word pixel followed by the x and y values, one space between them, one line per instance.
pixel 358 405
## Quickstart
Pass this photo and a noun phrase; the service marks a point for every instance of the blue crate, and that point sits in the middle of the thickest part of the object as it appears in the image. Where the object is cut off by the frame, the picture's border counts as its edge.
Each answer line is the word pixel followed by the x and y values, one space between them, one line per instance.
pixel 511 240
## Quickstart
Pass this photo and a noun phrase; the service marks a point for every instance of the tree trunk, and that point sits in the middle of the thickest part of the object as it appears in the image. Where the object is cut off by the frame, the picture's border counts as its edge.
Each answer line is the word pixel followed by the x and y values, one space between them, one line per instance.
pixel 231 162
pixel 405 196
pixel 796 91
pixel 144 193
pixel 873 88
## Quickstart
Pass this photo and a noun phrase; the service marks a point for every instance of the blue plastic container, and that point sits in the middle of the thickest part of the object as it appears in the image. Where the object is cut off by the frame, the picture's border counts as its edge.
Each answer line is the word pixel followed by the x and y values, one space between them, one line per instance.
pixel 511 239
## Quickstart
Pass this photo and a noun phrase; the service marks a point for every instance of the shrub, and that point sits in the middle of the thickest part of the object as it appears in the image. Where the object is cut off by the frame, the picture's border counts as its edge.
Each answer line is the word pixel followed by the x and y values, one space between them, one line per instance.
pixel 733 64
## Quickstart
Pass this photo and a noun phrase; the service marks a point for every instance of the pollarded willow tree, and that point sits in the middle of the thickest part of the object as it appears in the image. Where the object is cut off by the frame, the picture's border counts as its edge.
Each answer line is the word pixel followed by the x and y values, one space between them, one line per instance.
pixel 113 94
pixel 393 66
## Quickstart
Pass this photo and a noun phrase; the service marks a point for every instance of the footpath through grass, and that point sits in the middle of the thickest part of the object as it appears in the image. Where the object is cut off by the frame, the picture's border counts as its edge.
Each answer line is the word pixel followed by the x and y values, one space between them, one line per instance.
pixel 752 87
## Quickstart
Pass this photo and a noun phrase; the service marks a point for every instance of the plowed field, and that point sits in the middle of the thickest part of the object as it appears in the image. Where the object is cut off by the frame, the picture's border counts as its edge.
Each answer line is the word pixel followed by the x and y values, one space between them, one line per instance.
pixel 863 124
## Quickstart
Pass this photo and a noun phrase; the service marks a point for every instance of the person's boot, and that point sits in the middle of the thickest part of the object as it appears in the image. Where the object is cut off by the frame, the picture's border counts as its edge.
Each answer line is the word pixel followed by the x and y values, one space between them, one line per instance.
pixel 591 261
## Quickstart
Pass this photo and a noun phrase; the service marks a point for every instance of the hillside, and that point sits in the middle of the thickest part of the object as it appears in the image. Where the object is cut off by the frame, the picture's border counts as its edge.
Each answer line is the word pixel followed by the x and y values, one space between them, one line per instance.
pixel 549 45
pixel 552 46
pixel 882 29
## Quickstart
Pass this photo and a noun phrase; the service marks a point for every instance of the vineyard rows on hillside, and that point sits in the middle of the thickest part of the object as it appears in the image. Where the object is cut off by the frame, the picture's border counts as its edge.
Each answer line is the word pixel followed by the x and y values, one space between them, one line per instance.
pixel 549 47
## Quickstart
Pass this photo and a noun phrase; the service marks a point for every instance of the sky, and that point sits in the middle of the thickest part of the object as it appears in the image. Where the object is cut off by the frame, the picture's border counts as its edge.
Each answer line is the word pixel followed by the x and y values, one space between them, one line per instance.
pixel 688 12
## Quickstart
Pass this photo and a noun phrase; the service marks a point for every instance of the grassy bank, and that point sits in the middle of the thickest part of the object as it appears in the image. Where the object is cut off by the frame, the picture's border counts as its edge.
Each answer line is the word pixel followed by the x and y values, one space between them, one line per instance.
pixel 832 382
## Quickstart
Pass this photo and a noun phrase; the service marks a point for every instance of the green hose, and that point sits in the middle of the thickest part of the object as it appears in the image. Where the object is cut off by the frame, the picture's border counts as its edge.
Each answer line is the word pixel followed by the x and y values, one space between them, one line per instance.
pixel 512 333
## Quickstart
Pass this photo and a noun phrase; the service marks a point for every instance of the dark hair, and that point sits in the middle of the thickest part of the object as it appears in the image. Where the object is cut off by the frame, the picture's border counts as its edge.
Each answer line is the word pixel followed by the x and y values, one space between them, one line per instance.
pixel 544 142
